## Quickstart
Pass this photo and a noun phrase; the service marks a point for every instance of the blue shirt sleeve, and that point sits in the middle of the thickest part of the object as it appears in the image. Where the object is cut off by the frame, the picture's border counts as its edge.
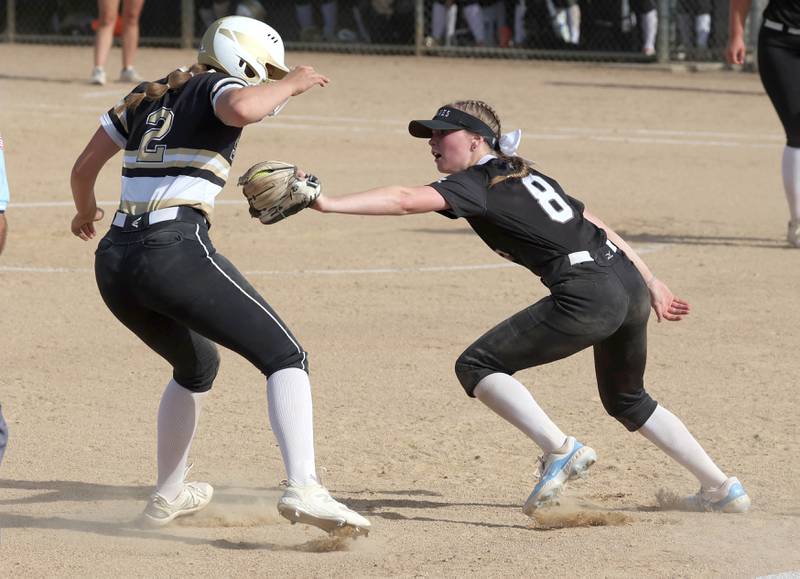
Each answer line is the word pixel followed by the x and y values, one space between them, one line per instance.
pixel 4 194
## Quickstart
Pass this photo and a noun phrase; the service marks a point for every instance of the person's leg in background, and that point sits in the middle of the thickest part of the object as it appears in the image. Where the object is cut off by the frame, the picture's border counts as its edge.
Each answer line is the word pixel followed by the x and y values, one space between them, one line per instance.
pixel 103 38
pixel 131 11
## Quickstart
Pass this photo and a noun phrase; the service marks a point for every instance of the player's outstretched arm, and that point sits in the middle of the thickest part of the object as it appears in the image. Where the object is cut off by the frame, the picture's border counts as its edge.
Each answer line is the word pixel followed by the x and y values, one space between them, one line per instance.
pixel 84 175
pixel 240 107
pixel 391 200
pixel 666 305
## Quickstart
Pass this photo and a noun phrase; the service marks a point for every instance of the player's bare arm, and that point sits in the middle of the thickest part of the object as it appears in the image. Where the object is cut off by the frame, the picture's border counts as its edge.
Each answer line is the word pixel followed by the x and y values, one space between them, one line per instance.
pixel 666 305
pixel 237 108
pixel 391 200
pixel 84 175
pixel 736 49
pixel 3 229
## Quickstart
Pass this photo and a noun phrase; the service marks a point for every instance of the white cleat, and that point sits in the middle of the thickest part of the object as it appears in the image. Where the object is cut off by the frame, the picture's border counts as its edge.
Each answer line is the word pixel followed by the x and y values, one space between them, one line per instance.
pixel 193 497
pixel 793 235
pixel 312 504
pixel 130 75
pixel 730 497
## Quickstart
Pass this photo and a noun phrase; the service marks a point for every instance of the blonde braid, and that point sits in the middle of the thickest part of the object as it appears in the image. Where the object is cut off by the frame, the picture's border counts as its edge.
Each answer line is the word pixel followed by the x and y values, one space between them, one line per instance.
pixel 155 90
pixel 483 111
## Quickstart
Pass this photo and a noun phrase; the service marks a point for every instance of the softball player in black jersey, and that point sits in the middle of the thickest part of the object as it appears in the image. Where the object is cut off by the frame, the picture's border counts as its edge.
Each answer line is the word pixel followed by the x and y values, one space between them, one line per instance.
pixel 601 294
pixel 160 275
pixel 779 67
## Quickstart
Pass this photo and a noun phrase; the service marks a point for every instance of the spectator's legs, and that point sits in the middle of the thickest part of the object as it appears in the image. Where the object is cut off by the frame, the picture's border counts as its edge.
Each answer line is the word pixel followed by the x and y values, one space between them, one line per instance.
pixel 131 10
pixel 474 17
pixel 520 8
pixel 702 29
pixel 363 32
pixel 684 29
pixel 450 26
pixel 305 15
pixel 438 21
pixel 329 19
pixel 104 36
pixel 558 17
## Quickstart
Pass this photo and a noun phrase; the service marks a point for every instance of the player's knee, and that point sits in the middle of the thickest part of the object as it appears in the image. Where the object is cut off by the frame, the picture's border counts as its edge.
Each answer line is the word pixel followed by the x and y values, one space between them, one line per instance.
pixel 201 376
pixel 297 358
pixel 631 409
pixel 471 369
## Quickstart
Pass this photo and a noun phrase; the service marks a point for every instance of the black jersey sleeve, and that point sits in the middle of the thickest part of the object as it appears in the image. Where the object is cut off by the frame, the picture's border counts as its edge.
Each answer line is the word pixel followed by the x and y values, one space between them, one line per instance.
pixel 115 120
pixel 465 193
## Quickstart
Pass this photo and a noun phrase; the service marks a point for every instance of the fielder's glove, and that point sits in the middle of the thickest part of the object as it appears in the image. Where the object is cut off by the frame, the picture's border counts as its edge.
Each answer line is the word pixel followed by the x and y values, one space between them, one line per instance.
pixel 274 191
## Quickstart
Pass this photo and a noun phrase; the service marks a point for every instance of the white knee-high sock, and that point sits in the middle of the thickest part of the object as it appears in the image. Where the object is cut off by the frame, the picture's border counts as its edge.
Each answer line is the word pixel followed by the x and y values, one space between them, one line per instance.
pixel 291 419
pixel 513 402
pixel 177 421
pixel 668 433
pixel 649 29
pixel 574 23
pixel 791 180
pixel 702 29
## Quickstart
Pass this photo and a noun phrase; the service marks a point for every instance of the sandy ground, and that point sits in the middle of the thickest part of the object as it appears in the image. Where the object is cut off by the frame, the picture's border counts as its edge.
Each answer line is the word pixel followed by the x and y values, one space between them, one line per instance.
pixel 685 166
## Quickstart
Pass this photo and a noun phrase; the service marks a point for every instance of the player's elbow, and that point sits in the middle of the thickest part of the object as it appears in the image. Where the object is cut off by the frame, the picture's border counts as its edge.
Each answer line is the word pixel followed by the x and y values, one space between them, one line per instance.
pixel 406 201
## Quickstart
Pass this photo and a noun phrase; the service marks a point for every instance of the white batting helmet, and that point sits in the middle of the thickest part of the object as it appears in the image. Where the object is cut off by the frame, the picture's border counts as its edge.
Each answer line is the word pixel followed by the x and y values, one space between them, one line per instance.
pixel 245 48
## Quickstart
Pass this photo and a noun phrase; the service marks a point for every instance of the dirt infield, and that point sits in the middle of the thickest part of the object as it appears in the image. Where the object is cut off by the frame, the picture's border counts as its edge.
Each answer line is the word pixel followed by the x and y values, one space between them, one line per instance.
pixel 685 166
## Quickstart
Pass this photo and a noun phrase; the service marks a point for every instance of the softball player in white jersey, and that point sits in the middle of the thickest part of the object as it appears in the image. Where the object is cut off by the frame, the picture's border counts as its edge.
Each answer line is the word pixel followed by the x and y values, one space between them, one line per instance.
pixel 160 275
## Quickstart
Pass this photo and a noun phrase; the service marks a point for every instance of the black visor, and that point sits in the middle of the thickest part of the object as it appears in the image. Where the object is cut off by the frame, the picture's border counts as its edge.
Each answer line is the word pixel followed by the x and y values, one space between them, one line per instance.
pixel 450 119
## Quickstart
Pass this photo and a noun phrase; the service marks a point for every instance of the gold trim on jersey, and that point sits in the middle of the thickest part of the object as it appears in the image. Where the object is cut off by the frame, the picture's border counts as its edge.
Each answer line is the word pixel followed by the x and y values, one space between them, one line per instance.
pixel 122 114
pixel 210 161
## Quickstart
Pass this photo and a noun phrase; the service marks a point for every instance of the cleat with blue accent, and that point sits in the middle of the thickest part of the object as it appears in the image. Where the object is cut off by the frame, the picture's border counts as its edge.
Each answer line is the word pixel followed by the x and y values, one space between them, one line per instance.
pixel 730 497
pixel 555 469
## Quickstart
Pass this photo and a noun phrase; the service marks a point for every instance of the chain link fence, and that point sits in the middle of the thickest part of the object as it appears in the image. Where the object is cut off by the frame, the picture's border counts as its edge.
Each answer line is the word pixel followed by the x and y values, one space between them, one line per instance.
pixel 608 30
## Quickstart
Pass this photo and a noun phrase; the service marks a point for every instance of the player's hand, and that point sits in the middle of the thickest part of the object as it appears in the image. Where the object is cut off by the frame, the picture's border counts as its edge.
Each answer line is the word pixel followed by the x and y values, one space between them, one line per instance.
pixel 301 78
pixel 666 305
pixel 319 203
pixel 83 226
pixel 735 51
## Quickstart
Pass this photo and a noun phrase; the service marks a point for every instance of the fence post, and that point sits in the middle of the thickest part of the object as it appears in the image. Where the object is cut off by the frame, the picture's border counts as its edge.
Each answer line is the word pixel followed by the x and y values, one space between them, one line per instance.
pixel 187 23
pixel 11 20
pixel 664 21
pixel 419 22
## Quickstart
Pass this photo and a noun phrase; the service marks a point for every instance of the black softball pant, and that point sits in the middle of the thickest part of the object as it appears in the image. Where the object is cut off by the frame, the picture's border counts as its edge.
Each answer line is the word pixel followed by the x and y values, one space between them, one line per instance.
pixel 604 306
pixel 171 288
pixel 779 67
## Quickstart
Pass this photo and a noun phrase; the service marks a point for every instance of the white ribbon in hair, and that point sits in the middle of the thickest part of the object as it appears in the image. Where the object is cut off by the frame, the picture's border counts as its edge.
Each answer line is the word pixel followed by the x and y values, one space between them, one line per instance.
pixel 509 142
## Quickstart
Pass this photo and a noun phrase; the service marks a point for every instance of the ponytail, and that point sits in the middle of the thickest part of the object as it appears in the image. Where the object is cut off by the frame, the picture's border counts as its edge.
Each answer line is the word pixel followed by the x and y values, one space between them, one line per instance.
pixel 155 90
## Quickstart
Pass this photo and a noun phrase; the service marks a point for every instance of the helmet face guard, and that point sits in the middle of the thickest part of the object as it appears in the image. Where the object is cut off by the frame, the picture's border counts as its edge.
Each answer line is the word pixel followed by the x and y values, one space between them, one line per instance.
pixel 244 48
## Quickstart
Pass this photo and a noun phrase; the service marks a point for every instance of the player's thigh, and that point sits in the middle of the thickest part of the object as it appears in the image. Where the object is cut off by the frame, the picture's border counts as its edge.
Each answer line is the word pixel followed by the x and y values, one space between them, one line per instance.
pixel 528 338
pixel 219 303
pixel 194 359
pixel 779 67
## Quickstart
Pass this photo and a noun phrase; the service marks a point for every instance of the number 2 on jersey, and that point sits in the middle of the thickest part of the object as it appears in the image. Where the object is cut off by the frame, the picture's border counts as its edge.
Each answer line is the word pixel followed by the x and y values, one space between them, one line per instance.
pixel 149 149
pixel 548 198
